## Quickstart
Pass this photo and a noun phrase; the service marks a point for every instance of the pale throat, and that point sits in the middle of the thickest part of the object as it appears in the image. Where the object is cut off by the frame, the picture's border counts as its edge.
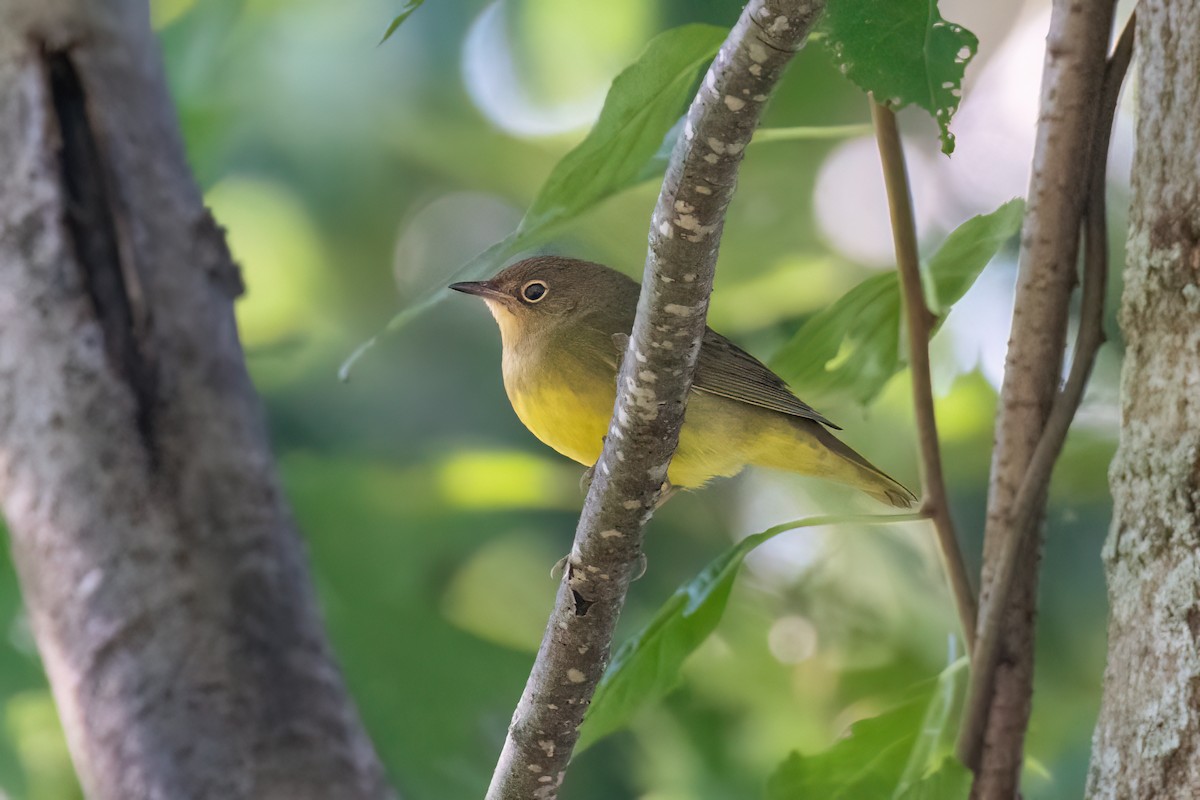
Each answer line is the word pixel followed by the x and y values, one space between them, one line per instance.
pixel 510 331
pixel 515 353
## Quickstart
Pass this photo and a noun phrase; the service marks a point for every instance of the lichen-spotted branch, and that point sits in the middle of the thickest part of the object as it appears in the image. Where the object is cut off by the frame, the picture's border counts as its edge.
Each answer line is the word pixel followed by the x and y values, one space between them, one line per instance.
pixel 653 385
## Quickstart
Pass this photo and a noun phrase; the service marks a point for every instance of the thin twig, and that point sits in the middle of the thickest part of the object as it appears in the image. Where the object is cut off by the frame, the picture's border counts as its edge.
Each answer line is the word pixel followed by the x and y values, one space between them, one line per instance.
pixel 1026 507
pixel 920 322
pixel 653 386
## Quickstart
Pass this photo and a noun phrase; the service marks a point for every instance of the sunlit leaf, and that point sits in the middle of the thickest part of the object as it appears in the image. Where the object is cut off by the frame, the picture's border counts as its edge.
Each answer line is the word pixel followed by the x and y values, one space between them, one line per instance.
pixel 950 781
pixel 954 266
pixel 644 102
pixel 935 730
pixel 903 52
pixel 404 14
pixel 647 666
pixel 852 348
pixel 641 106
pixel 870 762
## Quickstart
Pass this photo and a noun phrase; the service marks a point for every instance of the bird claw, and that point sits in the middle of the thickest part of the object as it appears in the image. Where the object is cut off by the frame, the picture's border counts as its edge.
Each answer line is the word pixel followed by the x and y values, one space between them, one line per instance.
pixel 665 493
pixel 585 480
pixel 559 568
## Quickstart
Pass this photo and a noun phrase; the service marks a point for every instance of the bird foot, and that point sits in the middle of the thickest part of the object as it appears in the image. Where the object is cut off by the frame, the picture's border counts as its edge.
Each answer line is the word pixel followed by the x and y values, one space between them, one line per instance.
pixel 560 567
pixel 665 493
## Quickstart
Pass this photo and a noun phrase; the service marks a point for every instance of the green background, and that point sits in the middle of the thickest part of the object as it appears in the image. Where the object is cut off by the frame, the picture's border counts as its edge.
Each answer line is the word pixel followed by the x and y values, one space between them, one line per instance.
pixel 354 177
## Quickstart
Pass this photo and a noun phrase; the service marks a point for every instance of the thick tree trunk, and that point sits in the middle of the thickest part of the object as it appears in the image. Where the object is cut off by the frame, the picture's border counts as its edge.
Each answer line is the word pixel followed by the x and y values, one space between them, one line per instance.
pixel 1147 741
pixel 161 569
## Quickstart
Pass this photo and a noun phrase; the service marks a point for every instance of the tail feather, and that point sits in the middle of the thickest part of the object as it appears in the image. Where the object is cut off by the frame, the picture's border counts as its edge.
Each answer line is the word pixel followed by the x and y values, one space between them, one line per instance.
pixel 808 448
pixel 868 477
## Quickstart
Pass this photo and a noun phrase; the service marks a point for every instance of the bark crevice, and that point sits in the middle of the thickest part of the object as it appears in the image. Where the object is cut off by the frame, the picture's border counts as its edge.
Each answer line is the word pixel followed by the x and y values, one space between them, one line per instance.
pixel 91 220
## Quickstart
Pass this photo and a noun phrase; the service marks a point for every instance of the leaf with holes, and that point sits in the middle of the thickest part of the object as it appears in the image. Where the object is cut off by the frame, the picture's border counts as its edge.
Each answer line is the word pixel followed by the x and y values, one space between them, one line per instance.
pixel 903 52
pixel 851 349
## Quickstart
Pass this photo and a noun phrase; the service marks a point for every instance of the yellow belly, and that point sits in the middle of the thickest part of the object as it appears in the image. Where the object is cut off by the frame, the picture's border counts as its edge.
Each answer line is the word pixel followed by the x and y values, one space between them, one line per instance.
pixel 572 417
pixel 569 418
pixel 567 404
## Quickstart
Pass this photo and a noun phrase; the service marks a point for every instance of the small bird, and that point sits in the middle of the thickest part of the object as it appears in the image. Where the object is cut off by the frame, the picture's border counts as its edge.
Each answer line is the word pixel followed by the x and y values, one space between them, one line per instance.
pixel 558 318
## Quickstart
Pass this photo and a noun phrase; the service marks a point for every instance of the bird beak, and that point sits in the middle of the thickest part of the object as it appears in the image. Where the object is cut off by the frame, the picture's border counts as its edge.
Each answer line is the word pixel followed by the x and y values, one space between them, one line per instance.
pixel 483 289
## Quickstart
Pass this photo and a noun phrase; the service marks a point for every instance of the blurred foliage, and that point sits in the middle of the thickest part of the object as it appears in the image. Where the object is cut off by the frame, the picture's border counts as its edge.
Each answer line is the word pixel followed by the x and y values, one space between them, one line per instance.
pixel 647 666
pixel 852 348
pixel 398 20
pixel 901 754
pixel 642 105
pixel 351 177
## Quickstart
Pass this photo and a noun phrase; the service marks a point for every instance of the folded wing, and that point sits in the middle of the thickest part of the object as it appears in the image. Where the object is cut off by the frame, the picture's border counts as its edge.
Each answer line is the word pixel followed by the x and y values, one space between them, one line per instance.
pixel 729 371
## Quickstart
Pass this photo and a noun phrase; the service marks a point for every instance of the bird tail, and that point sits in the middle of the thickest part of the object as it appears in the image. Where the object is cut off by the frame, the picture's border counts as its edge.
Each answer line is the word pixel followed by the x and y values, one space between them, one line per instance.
pixel 816 451
pixel 866 476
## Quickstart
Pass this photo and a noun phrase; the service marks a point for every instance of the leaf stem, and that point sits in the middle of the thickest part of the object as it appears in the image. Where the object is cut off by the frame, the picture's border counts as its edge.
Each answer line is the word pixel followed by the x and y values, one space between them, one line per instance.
pixel 920 322
pixel 806 132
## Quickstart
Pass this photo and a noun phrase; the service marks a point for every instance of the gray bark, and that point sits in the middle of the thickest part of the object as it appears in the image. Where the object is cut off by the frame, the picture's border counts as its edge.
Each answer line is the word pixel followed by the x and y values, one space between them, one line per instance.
pixel 159 563
pixel 652 389
pixel 1147 740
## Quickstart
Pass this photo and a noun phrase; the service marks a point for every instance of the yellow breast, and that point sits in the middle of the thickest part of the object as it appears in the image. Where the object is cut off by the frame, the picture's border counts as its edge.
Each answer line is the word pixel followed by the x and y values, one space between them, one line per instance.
pixel 564 407
pixel 564 400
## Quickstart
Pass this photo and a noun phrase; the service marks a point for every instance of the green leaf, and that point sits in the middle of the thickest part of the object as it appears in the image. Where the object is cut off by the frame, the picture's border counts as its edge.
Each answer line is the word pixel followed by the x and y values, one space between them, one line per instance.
pixel 967 250
pixel 642 105
pixel 853 347
pixel 647 666
pixel 903 52
pixel 950 781
pixel 871 761
pixel 404 14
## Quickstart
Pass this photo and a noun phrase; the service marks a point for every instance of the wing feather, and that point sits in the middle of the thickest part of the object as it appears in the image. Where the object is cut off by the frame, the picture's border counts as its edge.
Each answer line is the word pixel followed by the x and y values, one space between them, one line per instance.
pixel 727 370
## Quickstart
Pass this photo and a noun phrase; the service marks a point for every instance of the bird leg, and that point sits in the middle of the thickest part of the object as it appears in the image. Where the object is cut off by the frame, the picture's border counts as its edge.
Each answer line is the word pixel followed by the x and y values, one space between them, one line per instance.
pixel 665 493
pixel 621 342
pixel 560 567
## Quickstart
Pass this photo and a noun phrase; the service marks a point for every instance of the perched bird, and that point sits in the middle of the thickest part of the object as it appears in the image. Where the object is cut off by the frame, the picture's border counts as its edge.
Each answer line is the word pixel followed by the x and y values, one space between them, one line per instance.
pixel 558 318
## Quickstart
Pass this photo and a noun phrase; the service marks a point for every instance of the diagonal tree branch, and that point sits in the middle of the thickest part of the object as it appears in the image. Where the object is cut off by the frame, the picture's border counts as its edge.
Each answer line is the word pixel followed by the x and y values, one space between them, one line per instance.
pixel 653 385
pixel 1076 51
pixel 1089 338
pixel 920 322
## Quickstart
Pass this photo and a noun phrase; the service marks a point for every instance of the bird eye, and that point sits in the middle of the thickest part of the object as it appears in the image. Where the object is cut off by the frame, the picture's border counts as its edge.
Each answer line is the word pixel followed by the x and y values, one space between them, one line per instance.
pixel 533 291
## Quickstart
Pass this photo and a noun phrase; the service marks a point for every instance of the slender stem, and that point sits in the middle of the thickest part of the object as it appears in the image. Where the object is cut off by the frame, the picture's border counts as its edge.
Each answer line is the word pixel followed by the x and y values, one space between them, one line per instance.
pixel 802 133
pixel 920 324
pixel 1026 507
pixel 654 383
